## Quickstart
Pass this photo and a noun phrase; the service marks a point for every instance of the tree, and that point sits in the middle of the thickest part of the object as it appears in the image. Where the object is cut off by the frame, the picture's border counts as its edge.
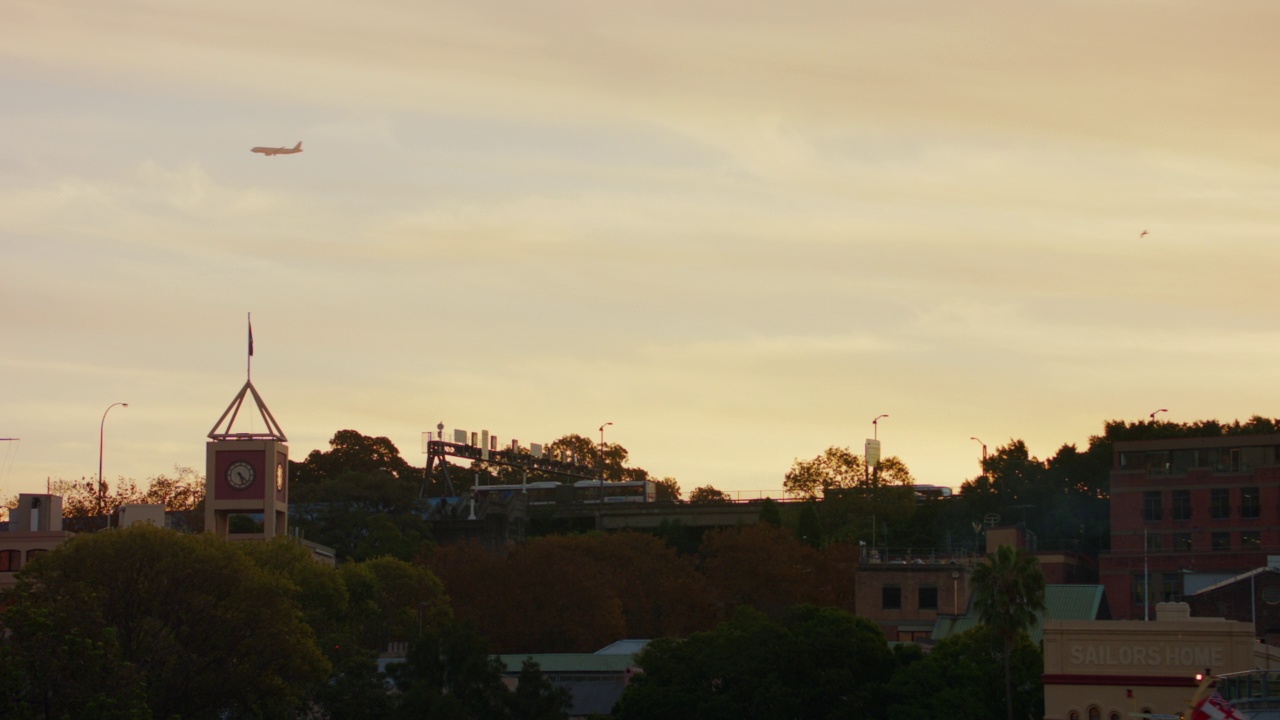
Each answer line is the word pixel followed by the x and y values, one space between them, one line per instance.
pixel 810 663
pixel 349 451
pixel 853 499
pixel 535 698
pixel 1064 499
pixel 961 679
pixel 84 510
pixel 317 590
pixel 668 490
pixel 182 492
pixel 450 674
pixel 708 494
pixel 769 513
pixel 607 587
pixel 362 515
pixel 761 566
pixel 356 691
pixel 809 528
pixel 1012 481
pixel 1078 517
pixel 186 623
pixel 391 599
pixel 1008 592
pixel 49 671
pixel 837 468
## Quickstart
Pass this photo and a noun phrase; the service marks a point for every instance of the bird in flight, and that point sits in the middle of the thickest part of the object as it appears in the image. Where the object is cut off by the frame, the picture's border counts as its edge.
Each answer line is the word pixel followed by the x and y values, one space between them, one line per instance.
pixel 1141 234
pixel 269 151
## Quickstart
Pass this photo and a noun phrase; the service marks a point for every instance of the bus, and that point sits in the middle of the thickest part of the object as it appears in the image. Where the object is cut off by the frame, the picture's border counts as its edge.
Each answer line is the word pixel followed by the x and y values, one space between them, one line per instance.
pixel 629 491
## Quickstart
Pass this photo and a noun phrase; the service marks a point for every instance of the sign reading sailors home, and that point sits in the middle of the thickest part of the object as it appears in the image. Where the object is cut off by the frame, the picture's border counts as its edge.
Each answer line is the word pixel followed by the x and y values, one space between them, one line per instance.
pixel 1149 655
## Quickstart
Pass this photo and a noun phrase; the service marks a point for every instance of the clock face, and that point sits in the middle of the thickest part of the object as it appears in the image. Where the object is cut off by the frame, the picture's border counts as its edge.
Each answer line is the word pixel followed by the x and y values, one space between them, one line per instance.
pixel 280 476
pixel 240 475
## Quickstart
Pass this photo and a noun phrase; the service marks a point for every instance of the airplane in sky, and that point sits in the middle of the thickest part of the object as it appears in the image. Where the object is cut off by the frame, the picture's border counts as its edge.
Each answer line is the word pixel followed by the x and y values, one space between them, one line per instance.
pixel 279 151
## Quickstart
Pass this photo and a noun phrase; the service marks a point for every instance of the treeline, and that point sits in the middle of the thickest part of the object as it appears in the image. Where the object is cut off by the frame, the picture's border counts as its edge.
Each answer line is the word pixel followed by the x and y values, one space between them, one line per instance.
pixel 146 623
pixel 1064 499
pixel 363 499
pixel 814 662
pixel 578 593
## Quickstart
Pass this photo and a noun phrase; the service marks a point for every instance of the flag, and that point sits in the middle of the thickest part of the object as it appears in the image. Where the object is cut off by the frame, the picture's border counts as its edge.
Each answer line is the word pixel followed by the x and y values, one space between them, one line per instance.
pixel 1215 707
pixel 250 337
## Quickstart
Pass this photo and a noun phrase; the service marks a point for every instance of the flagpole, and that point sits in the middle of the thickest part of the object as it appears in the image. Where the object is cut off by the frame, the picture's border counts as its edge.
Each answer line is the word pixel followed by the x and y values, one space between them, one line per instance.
pixel 248 369
pixel 1146 580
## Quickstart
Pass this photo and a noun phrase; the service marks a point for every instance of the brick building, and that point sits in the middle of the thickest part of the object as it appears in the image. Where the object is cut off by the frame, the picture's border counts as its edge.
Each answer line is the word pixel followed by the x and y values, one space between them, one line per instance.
pixel 906 597
pixel 1187 513
pixel 1253 597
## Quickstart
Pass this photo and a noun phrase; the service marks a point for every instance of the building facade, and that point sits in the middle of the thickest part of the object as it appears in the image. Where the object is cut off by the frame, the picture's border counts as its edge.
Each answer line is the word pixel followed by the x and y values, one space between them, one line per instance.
pixel 1253 597
pixel 1186 508
pixel 1106 670
pixel 35 527
pixel 906 598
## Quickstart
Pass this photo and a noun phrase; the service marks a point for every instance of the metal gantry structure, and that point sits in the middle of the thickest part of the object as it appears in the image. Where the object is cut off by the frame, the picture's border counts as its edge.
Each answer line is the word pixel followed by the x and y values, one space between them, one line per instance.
pixel 525 459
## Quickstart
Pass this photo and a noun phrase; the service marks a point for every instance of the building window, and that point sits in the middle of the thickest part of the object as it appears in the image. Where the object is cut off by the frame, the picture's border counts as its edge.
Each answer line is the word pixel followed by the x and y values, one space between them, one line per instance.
pixel 1157 462
pixel 1114 715
pixel 890 597
pixel 1182 542
pixel 1073 715
pixel 1250 540
pixel 1139 588
pixel 1220 503
pixel 1095 714
pixel 1220 541
pixel 1182 461
pixel 1154 541
pixel 928 598
pixel 1250 502
pixel 34 553
pixel 10 560
pixel 1151 505
pixel 1181 504
pixel 1170 587
pixel 1253 458
pixel 1232 458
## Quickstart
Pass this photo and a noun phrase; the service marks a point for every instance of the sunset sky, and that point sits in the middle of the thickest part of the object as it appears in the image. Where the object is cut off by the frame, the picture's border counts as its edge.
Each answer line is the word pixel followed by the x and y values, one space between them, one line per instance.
pixel 736 230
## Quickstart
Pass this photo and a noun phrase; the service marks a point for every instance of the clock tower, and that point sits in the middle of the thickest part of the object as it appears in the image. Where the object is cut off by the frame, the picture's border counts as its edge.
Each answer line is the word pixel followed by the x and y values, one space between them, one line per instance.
pixel 247 473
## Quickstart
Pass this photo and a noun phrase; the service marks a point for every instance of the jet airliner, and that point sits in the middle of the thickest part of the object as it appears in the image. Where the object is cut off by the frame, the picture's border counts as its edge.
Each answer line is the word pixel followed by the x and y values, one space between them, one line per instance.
pixel 279 151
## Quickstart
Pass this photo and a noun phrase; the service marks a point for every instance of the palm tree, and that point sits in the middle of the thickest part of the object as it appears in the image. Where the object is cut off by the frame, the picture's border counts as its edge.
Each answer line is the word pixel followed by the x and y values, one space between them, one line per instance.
pixel 1008 591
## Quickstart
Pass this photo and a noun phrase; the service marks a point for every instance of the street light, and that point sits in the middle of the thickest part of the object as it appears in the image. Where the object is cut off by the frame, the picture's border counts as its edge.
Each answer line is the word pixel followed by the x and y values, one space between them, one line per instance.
pixel 983 450
pixel 875 427
pixel 1153 415
pixel 102 427
pixel 601 463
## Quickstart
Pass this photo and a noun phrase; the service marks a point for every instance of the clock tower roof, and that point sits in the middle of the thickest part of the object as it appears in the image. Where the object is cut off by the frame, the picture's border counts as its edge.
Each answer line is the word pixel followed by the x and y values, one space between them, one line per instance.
pixel 224 428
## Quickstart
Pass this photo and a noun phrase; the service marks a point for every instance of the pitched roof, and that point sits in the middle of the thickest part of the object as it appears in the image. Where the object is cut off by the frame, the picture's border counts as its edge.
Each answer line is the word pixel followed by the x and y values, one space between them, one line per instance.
pixel 613 658
pixel 1062 602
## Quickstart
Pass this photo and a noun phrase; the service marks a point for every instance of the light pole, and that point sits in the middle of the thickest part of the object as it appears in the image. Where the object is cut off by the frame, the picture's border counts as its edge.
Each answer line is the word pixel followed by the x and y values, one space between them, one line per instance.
pixel 984 454
pixel 102 429
pixel 1153 415
pixel 601 456
pixel 872 445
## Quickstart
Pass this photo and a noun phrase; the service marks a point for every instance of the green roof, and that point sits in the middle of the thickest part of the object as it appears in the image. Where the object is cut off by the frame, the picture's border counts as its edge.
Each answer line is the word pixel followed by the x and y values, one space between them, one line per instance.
pixel 1062 602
